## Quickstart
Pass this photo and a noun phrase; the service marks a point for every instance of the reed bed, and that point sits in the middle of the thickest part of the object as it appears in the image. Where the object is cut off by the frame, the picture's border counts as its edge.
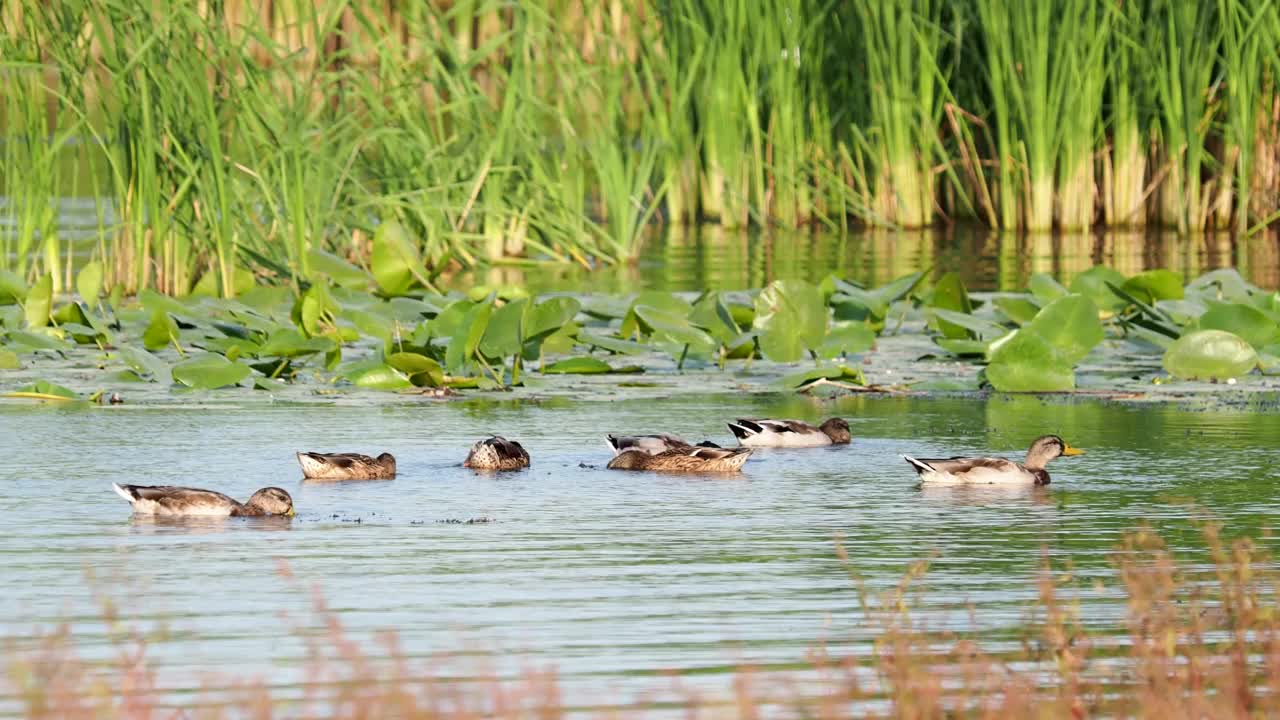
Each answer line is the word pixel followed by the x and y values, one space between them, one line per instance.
pixel 223 138
pixel 1200 637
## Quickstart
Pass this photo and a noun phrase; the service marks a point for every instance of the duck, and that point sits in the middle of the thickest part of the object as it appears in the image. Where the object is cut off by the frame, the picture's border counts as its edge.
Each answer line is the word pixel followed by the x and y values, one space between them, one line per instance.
pixel 346 466
pixel 183 501
pixel 497 453
pixel 790 433
pixel 993 470
pixel 689 459
pixel 652 444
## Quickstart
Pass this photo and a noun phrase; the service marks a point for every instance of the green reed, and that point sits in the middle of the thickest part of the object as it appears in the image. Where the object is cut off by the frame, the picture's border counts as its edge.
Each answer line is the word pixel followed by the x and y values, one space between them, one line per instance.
pixel 559 130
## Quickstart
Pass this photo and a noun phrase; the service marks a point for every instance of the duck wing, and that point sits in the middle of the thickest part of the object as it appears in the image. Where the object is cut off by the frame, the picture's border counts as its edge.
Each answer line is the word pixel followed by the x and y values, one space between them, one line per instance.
pixel 652 444
pixel 957 465
pixel 170 499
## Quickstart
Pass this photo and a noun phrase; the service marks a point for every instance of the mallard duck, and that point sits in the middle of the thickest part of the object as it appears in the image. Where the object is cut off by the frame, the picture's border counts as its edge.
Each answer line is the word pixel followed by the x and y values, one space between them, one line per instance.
pixel 652 444
pixel 790 433
pixel 346 466
pixel 170 500
pixel 688 459
pixel 497 453
pixel 990 470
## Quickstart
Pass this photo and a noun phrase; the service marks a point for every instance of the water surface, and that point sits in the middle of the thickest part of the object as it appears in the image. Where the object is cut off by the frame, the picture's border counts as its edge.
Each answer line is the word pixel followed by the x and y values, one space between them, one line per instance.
pixel 611 577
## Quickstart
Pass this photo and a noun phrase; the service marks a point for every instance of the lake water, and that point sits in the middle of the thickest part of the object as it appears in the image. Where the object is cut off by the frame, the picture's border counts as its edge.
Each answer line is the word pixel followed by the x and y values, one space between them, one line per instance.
pixel 613 578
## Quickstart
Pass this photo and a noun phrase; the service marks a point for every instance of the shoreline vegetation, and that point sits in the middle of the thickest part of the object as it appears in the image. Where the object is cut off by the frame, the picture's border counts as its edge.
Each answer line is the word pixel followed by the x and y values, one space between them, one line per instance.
pixel 1198 637
pixel 221 139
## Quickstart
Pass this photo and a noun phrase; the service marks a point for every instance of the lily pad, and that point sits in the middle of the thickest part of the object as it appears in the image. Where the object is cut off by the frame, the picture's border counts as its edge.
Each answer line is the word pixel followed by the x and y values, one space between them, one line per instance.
pixel 341 272
pixel 394 258
pixel 9 360
pixel 586 366
pixel 1018 309
pixel 1092 283
pixel 161 331
pixel 676 328
pixel 144 363
pixel 1070 324
pixel 1026 362
pixel 847 339
pixel 1210 354
pixel 791 318
pixel 45 390
pixel 210 371
pixel 949 294
pixel 12 289
pixel 422 370
pixel 289 343
pixel 1153 285
pixel 504 335
pixel 613 344
pixel 837 373
pixel 1045 288
pixel 466 340
pixel 39 302
pixel 1253 325
pixel 89 283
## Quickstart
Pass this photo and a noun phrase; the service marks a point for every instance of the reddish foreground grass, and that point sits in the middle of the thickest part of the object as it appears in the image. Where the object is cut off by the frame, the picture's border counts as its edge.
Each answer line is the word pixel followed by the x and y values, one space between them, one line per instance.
pixel 1198 642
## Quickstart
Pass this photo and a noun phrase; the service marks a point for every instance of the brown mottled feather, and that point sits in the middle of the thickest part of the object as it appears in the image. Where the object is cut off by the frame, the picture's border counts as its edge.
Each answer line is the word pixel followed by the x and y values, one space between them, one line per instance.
pixel 346 466
pixel 693 459
pixel 497 453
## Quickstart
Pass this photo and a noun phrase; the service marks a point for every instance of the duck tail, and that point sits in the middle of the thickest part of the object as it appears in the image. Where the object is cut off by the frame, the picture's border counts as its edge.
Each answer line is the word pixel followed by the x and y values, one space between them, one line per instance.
pixel 613 444
pixel 742 432
pixel 126 494
pixel 920 467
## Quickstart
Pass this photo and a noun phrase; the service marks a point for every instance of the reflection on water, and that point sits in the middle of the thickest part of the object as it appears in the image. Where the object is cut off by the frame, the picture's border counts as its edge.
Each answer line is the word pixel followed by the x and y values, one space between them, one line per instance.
pixel 691 259
pixel 613 577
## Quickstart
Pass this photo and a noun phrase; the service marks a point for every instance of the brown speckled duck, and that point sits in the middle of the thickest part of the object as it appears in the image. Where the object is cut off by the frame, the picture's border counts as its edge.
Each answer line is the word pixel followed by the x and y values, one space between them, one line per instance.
pixel 182 501
pixel 689 459
pixel 992 470
pixel 346 466
pixel 497 453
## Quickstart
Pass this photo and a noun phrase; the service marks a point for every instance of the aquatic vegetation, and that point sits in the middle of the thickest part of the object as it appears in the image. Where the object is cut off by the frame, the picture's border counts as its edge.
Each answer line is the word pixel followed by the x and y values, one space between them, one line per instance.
pixel 1216 327
pixel 1197 637
pixel 216 141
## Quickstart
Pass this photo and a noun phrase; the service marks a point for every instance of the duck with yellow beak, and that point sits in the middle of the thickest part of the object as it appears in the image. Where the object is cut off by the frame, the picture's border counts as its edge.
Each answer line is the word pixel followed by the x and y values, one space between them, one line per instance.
pixel 994 471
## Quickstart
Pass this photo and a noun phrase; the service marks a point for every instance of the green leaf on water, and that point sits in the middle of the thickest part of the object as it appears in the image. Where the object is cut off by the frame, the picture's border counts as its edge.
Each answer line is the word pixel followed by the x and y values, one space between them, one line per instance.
pixel 835 373
pixel 1155 285
pixel 394 258
pixel 144 363
pixel 847 339
pixel 1092 283
pixel 289 343
pixel 1210 354
pixel 549 316
pixel 949 294
pixel 314 310
pixel 89 283
pixel 676 328
pixel 978 327
pixel 209 371
pixel 161 331
pixel 612 344
pixel 45 390
pixel 663 301
pixel 9 360
pixel 1248 322
pixel 1045 288
pixel 963 347
pixel 37 340
pixel 586 366
pixel 341 272
pixel 12 288
pixel 39 302
pixel 422 370
pixel 1018 309
pixel 504 335
pixel 1070 324
pixel 1026 362
pixel 792 319
pixel 374 374
pixel 466 339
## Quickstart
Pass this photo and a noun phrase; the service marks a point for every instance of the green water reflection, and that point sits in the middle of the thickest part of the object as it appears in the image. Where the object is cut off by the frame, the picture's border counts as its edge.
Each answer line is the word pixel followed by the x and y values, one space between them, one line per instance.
pixel 692 259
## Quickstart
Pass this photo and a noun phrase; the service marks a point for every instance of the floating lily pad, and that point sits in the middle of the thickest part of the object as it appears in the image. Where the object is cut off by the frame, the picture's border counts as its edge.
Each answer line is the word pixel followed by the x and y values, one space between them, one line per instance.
pixel 613 344
pixel 949 294
pixel 1045 288
pixel 289 343
pixel 466 340
pixel 39 302
pixel 1026 362
pixel 209 372
pixel 394 258
pixel 1253 325
pixel 586 366
pixel 9 360
pixel 1092 283
pixel 836 373
pixel 1153 285
pixel 1210 354
pixel 1018 309
pixel 144 363
pixel 421 370
pixel 45 390
pixel 375 375
pixel 791 317
pixel 161 331
pixel 12 288
pixel 341 272
pixel 89 283
pixel 1070 324
pixel 847 339
pixel 504 335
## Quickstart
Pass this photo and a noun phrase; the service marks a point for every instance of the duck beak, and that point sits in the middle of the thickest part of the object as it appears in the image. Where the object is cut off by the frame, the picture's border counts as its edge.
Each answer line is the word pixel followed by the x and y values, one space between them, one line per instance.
pixel 290 513
pixel 1068 450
